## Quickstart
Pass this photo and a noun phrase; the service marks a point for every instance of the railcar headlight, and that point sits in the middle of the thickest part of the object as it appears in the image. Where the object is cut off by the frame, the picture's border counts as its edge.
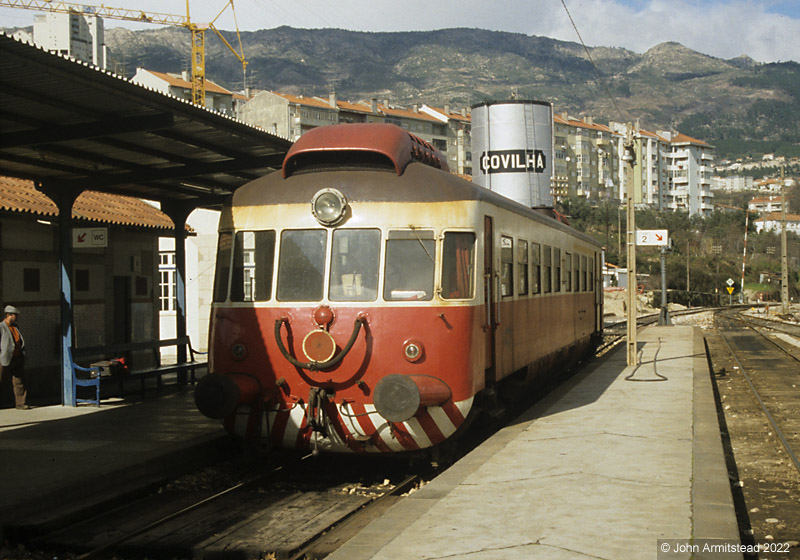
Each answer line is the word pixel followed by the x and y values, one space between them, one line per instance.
pixel 328 206
pixel 413 350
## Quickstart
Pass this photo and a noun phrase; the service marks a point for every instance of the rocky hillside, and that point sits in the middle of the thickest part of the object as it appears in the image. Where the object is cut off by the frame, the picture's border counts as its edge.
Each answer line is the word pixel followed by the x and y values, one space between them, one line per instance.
pixel 737 105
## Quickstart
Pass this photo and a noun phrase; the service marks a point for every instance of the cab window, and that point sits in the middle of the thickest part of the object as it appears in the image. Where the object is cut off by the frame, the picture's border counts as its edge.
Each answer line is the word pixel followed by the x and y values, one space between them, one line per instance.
pixel 355 261
pixel 224 249
pixel 301 266
pixel 253 257
pixel 410 258
pixel 458 265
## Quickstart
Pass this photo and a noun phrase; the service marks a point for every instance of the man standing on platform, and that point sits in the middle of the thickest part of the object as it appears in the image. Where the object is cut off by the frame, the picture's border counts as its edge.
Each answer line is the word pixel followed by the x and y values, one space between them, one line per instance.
pixel 12 356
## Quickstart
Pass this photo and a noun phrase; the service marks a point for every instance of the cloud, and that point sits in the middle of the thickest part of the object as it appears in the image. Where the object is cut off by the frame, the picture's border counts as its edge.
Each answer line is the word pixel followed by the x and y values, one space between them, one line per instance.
pixel 720 28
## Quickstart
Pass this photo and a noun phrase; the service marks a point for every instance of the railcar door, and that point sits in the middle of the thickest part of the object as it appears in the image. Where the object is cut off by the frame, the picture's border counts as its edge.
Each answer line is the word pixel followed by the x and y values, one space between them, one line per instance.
pixel 489 299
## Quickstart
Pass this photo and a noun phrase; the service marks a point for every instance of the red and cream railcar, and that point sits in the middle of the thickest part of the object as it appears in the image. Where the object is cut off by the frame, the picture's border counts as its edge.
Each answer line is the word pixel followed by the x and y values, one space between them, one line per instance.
pixel 366 298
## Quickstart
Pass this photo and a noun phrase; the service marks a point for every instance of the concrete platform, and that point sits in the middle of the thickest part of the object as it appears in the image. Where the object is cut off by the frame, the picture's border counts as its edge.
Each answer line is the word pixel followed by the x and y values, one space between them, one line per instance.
pixel 611 464
pixel 66 460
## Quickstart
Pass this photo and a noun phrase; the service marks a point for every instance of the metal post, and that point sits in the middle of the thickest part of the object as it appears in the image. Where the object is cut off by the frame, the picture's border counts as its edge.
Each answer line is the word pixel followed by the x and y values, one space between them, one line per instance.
pixel 629 157
pixel 744 254
pixel 784 257
pixel 663 318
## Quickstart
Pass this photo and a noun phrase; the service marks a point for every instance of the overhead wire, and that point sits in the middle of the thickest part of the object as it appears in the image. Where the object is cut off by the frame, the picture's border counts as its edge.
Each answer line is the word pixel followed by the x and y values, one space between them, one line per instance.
pixel 598 74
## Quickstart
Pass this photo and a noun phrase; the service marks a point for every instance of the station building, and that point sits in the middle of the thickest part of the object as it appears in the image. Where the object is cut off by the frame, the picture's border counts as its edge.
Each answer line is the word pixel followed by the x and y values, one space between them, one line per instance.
pixel 115 271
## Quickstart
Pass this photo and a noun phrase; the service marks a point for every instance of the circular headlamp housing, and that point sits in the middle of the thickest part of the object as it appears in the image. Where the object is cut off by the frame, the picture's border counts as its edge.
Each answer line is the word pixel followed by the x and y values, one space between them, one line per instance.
pixel 413 350
pixel 329 207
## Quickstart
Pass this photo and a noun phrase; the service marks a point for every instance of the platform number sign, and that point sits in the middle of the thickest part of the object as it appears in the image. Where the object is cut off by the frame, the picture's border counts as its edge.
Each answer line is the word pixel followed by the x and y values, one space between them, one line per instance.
pixel 652 237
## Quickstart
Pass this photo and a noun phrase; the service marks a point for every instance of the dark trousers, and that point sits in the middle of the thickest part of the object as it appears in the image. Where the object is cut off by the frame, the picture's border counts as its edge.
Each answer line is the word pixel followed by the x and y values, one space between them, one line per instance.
pixel 16 372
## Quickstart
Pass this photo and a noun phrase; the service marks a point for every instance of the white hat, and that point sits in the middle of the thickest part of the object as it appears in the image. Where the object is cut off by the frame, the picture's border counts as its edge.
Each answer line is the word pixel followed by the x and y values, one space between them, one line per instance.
pixel 12 309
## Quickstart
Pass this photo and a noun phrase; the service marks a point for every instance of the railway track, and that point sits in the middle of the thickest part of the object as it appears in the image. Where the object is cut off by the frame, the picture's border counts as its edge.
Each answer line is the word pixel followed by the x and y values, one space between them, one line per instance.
pixel 303 509
pixel 757 377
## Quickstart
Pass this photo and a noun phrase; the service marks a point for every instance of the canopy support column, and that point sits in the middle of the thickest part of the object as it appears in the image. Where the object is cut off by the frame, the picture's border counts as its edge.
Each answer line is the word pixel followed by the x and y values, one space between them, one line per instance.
pixel 179 212
pixel 64 199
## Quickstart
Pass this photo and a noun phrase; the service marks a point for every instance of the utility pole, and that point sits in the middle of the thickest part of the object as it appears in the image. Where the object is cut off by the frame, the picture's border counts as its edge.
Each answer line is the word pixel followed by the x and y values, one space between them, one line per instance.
pixel 629 157
pixel 784 258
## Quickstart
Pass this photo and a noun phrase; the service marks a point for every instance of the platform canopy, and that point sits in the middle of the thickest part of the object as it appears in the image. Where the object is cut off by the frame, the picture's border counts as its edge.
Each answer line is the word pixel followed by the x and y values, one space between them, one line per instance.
pixel 69 125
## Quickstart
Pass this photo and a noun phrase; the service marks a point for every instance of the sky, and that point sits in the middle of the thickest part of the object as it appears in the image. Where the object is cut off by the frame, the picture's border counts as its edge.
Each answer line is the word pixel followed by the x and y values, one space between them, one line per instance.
pixel 765 30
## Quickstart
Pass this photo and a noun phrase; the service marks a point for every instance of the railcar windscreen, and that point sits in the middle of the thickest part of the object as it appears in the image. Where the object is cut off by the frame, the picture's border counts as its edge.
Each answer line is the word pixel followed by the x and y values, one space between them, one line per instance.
pixel 301 266
pixel 410 258
pixel 355 262
pixel 253 257
pixel 224 247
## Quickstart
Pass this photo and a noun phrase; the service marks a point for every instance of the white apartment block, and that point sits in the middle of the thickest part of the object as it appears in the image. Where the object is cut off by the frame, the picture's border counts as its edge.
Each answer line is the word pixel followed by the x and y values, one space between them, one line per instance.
pixel 766 204
pixel 291 116
pixel 180 85
pixel 80 36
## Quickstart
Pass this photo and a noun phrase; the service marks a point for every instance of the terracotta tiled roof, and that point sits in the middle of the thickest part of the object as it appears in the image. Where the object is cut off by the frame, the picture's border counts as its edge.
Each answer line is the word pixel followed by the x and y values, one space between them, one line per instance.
pixel 757 199
pixel 355 107
pixel 681 138
pixel 176 81
pixel 455 115
pixel 776 217
pixel 558 119
pixel 19 195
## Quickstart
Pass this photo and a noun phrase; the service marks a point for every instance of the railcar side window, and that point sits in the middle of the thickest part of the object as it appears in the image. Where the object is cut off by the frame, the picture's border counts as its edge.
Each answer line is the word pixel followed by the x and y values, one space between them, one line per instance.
pixel 522 260
pixel 253 258
pixel 548 269
pixel 224 246
pixel 591 274
pixel 506 266
pixel 568 272
pixel 583 273
pixel 354 265
pixel 557 270
pixel 535 268
pixel 410 257
pixel 458 265
pixel 301 266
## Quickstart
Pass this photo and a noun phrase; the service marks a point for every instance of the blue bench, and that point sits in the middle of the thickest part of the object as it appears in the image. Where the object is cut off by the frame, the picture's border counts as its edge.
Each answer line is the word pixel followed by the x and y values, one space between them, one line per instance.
pixel 92 376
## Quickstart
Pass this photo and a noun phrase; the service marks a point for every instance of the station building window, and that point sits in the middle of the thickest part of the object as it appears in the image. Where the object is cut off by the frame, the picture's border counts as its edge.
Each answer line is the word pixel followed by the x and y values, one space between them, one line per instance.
pixel 167 285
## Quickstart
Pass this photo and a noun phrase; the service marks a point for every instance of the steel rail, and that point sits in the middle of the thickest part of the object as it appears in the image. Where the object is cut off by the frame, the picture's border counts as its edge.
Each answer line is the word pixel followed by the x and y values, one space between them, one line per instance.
pixel 750 324
pixel 101 551
pixel 401 487
pixel 764 408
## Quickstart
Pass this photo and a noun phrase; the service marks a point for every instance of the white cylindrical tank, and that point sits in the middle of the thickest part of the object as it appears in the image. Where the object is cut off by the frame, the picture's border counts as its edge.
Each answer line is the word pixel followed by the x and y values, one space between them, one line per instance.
pixel 512 150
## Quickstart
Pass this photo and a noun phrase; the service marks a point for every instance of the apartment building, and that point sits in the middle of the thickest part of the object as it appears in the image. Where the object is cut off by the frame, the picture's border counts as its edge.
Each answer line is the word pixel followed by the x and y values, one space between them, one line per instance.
pixel 766 204
pixel 291 116
pixel 584 159
pixel 80 36
pixel 690 169
pixel 180 85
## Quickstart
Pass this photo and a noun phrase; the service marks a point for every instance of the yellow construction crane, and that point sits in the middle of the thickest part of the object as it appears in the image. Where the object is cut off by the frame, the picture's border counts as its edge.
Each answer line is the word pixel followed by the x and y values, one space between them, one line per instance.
pixel 198 31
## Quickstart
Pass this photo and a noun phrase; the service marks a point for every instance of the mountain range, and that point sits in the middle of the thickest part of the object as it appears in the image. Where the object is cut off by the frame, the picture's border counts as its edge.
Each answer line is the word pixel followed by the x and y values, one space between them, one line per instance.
pixel 740 106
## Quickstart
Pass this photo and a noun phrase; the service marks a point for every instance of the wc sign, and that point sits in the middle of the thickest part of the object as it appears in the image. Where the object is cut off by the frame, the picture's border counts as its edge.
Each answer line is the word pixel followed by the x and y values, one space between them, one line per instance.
pixel 89 238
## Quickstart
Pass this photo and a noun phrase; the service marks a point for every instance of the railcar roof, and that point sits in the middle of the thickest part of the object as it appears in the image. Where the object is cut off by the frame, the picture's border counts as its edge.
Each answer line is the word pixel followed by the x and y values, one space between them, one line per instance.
pixel 326 143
